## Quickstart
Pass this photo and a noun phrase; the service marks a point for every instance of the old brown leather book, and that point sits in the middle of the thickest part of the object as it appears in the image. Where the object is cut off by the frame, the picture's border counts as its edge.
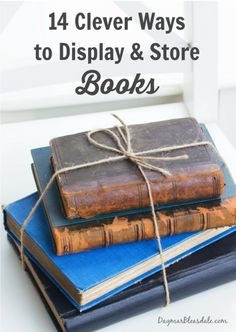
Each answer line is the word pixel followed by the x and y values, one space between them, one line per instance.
pixel 140 227
pixel 117 186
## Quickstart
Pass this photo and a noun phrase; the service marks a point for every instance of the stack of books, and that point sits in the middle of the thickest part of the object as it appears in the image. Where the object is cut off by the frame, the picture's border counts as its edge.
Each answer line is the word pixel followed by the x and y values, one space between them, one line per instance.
pixel 91 247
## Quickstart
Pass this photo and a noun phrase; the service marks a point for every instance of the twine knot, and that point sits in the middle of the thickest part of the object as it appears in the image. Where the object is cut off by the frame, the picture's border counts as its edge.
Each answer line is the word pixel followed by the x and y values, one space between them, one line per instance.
pixel 124 148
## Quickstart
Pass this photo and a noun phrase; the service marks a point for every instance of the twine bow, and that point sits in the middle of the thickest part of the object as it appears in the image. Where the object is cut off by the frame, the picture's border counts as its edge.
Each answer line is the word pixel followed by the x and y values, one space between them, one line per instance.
pixel 126 152
pixel 141 159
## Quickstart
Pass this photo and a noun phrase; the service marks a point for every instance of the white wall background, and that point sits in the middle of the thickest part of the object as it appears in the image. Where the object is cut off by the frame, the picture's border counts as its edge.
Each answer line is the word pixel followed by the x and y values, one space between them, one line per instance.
pixel 227 68
pixel 17 41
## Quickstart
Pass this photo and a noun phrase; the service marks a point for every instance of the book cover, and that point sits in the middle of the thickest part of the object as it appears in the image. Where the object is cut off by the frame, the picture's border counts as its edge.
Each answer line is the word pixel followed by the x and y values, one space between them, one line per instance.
pixel 80 234
pixel 91 277
pixel 204 269
pixel 106 188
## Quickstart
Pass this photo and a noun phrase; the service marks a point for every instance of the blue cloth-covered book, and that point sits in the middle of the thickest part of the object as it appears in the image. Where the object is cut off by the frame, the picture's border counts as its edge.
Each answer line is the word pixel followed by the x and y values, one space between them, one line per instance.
pixel 89 278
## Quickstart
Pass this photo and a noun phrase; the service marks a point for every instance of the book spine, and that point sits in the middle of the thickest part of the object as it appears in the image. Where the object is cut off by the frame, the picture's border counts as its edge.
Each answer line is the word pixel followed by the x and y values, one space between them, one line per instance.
pixel 128 196
pixel 121 230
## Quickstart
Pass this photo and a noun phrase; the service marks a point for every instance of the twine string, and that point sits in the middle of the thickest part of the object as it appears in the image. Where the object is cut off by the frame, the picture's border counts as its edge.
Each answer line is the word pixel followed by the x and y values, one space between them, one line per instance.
pixel 141 159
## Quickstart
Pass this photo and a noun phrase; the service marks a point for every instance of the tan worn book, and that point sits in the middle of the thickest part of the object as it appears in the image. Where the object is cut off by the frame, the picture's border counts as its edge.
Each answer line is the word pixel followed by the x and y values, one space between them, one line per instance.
pixel 141 227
